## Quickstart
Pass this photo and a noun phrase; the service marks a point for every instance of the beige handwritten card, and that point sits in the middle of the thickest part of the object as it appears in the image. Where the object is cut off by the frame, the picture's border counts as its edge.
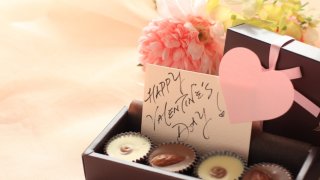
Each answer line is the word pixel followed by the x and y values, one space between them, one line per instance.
pixel 189 107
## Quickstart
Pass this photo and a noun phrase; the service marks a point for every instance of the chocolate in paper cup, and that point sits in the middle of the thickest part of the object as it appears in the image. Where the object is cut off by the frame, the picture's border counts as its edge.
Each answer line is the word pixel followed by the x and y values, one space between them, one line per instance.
pixel 220 165
pixel 173 156
pixel 129 146
pixel 267 171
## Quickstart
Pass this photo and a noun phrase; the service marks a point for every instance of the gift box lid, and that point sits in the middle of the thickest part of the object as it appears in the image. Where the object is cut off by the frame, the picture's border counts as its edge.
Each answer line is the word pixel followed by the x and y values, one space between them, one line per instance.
pixel 297 123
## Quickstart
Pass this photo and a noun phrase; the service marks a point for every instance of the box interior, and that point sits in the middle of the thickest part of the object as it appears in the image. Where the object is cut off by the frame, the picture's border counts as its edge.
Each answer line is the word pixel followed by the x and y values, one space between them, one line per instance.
pixel 264 147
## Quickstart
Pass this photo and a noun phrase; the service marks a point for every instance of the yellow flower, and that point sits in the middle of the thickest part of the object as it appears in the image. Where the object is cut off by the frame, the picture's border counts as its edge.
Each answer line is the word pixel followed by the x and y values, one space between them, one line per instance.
pixel 212 4
pixel 281 16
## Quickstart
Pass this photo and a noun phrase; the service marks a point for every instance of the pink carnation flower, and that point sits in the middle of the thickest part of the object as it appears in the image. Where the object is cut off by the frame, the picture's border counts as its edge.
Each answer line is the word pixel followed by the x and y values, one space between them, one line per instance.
pixel 185 45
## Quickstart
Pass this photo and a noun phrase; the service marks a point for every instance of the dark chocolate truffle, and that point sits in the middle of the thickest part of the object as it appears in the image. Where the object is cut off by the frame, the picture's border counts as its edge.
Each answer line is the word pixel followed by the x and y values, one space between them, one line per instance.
pixel 267 171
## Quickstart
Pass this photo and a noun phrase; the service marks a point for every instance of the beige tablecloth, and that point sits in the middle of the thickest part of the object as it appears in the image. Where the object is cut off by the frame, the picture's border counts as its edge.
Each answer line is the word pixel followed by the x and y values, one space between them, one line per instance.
pixel 66 68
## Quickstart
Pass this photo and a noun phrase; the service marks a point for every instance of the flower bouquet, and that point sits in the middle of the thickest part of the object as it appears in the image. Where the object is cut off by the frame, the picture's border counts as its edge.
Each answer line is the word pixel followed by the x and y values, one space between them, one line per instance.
pixel 190 34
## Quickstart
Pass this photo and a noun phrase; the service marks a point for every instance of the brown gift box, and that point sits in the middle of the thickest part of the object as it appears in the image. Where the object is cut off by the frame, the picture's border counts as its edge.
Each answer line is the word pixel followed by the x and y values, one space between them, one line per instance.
pixel 300 159
pixel 297 123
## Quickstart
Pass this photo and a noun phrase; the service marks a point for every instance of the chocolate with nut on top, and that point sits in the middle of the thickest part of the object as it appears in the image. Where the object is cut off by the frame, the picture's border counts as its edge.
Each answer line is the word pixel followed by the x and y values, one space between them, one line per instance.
pixel 174 157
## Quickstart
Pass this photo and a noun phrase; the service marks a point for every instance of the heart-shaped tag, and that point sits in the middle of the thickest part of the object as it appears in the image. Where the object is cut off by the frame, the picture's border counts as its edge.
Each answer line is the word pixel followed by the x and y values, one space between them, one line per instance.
pixel 251 92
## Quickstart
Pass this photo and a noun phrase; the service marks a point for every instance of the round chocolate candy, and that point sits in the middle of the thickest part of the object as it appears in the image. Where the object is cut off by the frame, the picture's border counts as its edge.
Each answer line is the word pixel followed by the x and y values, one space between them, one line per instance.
pixel 174 157
pixel 220 165
pixel 130 146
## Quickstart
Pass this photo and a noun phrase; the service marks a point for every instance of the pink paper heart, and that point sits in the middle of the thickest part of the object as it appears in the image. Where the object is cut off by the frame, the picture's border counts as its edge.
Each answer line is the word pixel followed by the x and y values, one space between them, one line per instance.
pixel 251 92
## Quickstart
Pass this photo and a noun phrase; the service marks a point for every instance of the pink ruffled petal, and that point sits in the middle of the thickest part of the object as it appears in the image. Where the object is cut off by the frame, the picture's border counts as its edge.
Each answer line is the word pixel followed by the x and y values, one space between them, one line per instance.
pixel 156 49
pixel 178 54
pixel 206 63
pixel 166 54
pixel 170 42
pixel 195 50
